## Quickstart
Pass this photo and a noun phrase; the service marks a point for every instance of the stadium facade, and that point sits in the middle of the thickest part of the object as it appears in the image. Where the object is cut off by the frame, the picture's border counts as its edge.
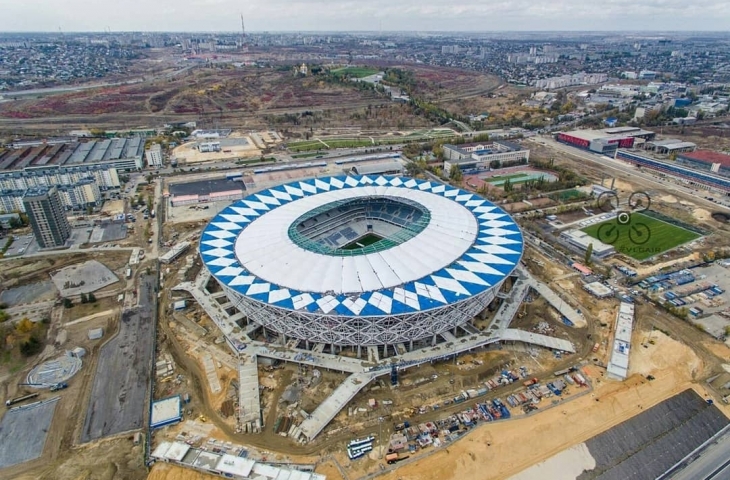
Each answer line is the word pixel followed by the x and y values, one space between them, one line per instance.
pixel 361 261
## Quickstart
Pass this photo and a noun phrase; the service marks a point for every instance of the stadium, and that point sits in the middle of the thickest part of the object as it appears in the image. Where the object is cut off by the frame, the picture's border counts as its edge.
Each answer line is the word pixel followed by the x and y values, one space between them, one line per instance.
pixel 361 261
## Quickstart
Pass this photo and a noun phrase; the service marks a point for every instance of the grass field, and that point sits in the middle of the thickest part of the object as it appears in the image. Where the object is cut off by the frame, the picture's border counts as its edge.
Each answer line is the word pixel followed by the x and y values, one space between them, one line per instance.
pixel 502 178
pixel 361 242
pixel 354 72
pixel 661 237
pixel 566 195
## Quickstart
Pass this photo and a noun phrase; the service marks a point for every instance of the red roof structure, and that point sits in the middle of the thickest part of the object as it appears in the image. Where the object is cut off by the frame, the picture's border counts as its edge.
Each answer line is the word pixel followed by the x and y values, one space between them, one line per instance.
pixel 708 156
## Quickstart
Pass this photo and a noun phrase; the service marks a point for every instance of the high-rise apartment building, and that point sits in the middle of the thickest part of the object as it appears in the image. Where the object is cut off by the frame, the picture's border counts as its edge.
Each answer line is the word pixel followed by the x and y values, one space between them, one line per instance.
pixel 47 216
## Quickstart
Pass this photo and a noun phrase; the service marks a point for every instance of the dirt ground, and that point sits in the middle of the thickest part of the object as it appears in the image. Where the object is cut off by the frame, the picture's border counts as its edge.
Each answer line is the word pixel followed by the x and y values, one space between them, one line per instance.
pixel 517 444
pixel 165 471
pixel 188 153
pixel 93 462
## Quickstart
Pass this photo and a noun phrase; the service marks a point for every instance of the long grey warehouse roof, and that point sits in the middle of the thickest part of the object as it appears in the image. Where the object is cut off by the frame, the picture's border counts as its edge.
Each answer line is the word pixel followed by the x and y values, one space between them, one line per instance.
pixel 468 246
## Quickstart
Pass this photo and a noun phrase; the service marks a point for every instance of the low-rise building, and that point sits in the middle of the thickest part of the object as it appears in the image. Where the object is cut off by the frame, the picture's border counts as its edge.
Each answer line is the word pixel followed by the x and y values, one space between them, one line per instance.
pixel 483 156
pixel 580 241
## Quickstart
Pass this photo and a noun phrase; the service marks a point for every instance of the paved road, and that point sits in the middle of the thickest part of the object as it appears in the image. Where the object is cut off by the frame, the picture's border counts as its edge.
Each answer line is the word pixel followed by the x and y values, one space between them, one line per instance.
pixel 713 464
pixel 52 253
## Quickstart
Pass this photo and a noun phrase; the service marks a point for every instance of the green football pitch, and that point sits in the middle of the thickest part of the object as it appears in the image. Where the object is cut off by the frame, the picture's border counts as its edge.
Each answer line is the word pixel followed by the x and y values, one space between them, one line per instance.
pixel 642 237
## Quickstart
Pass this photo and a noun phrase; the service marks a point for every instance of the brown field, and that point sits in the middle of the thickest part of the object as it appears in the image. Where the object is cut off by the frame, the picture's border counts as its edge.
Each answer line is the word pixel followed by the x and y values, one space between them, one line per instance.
pixel 205 90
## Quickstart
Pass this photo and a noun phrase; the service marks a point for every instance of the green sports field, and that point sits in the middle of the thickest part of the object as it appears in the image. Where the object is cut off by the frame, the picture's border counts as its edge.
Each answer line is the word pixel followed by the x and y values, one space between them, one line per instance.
pixel 639 242
pixel 361 242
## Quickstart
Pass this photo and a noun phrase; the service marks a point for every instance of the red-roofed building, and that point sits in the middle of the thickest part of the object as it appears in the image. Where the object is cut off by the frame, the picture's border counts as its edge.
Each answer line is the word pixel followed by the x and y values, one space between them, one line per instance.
pixel 706 160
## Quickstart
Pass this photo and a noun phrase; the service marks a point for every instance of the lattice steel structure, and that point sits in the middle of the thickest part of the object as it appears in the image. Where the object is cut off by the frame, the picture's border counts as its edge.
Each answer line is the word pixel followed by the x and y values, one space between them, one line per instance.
pixel 438 259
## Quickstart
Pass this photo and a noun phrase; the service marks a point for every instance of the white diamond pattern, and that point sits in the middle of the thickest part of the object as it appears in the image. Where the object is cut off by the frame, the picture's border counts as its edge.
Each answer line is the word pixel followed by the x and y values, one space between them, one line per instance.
pixel 492 257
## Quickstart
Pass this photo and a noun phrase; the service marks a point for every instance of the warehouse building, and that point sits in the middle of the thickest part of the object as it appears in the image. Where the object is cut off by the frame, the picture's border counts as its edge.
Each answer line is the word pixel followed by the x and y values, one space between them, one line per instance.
pixel 608 140
pixel 382 168
pixel 670 145
pixel 484 156
pixel 204 191
pixel 124 154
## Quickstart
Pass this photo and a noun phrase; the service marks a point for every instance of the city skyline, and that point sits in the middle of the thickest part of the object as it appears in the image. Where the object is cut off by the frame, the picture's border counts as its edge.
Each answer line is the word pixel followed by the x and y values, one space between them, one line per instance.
pixel 342 16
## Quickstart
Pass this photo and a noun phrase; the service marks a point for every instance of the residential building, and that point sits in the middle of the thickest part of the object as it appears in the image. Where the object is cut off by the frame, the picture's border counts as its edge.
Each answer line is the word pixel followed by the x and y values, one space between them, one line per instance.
pixel 581 78
pixel 47 216
pixel 154 156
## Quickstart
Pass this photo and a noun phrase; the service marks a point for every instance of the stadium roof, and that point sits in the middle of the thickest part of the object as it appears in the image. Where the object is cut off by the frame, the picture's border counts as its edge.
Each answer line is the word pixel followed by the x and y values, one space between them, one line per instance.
pixel 709 156
pixel 468 246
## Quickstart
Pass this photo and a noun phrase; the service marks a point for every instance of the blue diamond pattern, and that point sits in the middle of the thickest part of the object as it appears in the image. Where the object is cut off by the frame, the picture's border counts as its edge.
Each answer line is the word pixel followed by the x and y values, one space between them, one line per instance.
pixel 494 255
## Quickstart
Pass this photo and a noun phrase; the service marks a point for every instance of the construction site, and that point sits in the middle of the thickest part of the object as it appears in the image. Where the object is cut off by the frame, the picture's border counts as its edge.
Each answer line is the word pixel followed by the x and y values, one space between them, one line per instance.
pixel 252 399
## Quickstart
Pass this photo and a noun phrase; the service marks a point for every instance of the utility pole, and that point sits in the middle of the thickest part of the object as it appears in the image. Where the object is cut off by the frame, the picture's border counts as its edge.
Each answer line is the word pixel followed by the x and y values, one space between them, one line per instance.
pixel 380 436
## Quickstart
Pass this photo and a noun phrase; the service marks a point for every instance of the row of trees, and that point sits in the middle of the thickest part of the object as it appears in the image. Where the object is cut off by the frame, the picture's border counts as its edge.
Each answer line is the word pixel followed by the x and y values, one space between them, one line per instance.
pixel 85 298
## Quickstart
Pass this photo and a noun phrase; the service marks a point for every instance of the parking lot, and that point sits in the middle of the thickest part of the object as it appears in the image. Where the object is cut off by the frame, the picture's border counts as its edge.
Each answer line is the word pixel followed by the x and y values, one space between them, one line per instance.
pixel 108 233
pixel 119 395
pixel 22 245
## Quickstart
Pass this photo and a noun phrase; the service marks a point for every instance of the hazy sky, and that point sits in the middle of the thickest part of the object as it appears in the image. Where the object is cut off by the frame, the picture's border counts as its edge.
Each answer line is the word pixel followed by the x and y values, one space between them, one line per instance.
pixel 343 15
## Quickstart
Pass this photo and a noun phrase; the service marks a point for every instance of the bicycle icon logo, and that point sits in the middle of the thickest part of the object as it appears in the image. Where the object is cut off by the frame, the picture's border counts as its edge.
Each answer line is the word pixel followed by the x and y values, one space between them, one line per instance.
pixel 638 232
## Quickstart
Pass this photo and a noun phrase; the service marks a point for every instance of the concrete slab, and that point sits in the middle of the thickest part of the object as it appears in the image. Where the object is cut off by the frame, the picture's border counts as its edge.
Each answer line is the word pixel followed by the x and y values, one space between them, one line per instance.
pixel 86 277
pixel 23 432
pixel 248 391
pixel 118 396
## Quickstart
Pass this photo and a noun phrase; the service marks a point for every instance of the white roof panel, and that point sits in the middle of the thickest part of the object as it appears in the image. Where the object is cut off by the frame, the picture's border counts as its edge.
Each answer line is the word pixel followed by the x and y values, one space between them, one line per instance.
pixel 478 251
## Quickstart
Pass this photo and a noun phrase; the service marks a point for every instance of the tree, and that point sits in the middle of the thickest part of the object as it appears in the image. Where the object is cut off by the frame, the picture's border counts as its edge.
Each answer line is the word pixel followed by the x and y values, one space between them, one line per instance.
pixel 67 303
pixel 438 151
pixel 507 185
pixel 414 168
pixel 92 298
pixel 455 173
pixel 31 347
pixel 589 254
pixel 24 326
pixel 84 298
pixel 3 316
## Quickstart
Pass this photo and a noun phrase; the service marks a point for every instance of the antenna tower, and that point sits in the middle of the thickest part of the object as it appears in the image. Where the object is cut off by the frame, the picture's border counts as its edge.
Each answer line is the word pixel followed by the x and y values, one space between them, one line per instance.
pixel 243 35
